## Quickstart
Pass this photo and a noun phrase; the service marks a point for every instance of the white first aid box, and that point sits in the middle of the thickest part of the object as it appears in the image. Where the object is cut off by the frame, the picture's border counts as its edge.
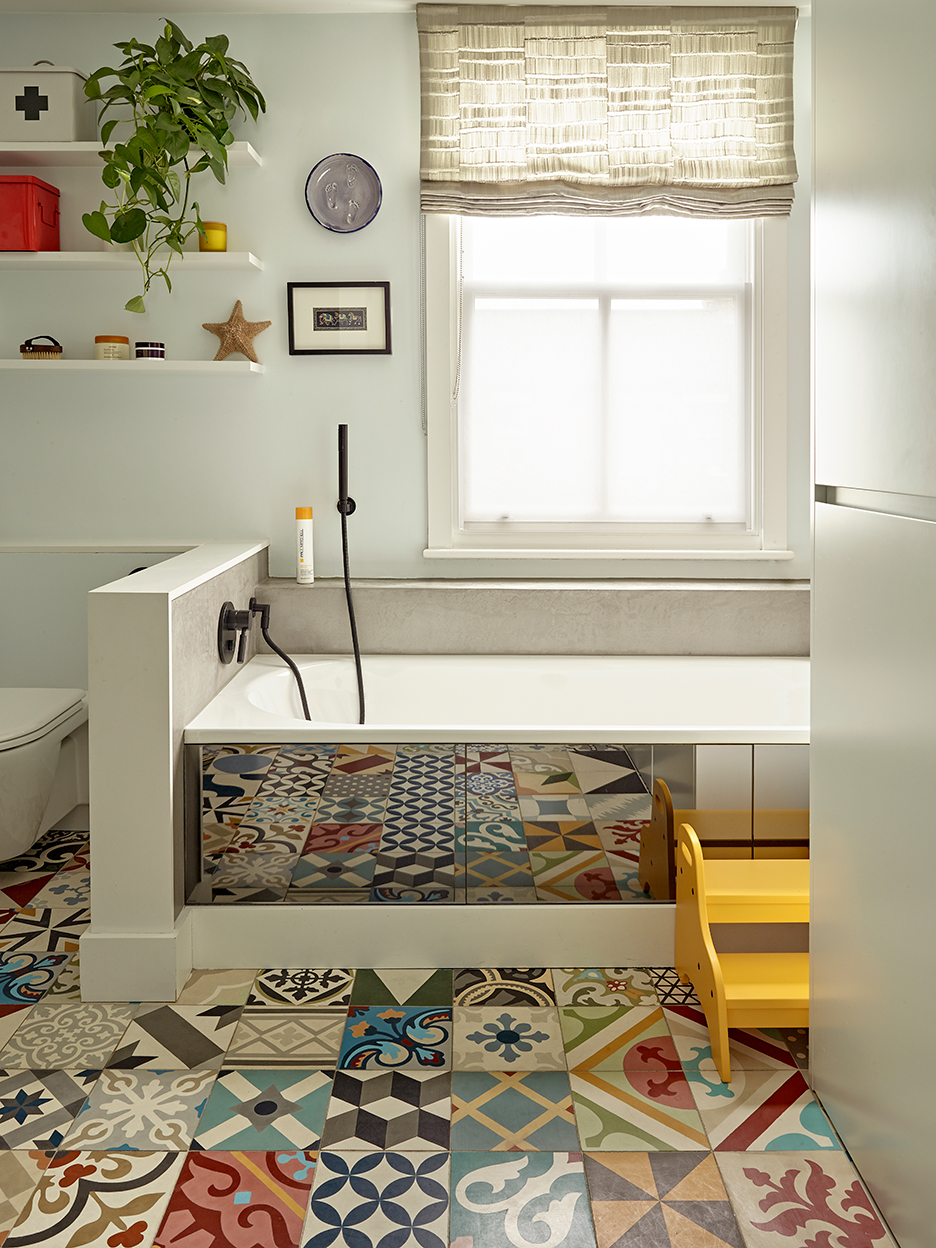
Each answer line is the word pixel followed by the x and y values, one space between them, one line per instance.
pixel 45 104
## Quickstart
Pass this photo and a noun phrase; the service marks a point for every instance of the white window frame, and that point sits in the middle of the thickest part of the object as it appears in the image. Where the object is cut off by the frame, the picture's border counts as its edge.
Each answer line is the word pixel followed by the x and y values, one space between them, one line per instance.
pixel 442 333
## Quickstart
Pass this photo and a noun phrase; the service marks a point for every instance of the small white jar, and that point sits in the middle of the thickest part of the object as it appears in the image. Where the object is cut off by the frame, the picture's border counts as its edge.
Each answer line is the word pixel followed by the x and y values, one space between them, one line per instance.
pixel 111 347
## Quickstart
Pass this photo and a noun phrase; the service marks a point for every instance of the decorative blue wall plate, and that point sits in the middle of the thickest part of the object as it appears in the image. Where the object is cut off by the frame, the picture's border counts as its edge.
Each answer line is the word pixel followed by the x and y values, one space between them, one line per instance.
pixel 343 193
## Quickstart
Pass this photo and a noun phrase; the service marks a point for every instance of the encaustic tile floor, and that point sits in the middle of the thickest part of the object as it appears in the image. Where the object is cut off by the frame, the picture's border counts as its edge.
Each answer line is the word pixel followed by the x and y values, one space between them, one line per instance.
pixel 390 824
pixel 460 1108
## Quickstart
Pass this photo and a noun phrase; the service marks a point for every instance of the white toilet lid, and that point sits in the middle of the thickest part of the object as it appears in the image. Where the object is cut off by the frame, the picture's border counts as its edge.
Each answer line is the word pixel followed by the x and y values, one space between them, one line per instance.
pixel 26 714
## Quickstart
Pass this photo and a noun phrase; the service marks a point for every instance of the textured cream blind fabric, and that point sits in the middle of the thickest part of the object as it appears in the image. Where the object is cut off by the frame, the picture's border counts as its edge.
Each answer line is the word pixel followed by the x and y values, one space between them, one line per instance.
pixel 607 110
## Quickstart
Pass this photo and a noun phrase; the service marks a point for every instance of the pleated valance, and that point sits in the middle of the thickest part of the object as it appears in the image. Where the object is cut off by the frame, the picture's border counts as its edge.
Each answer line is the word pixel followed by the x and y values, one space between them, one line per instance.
pixel 606 110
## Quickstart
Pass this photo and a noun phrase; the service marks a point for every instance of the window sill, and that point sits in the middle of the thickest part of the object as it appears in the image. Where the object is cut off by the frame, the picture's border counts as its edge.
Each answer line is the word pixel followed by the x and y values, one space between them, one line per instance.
pixel 437 552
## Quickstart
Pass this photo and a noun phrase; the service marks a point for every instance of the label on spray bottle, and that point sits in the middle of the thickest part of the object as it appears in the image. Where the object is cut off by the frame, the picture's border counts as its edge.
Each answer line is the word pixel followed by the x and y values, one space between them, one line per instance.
pixel 304 573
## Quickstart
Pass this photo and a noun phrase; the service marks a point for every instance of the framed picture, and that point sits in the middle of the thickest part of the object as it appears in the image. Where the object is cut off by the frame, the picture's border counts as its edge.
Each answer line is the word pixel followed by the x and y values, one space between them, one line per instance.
pixel 339 318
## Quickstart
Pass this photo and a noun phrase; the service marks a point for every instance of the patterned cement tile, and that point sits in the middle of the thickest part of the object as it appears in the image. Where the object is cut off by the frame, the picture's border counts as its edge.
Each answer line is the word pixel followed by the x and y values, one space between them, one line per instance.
pixel 217 987
pixel 562 838
pixel 392 1109
pixel 603 807
pixel 554 810
pixel 176 1037
pixel 621 836
pixel 528 1198
pixel 491 807
pixel 363 760
pixel 19 1175
pixel 146 1109
pixel 797 1041
pixel 91 1198
pixel 26 977
pixel 328 896
pixel 402 894
pixel 668 1200
pixel 245 896
pixel 480 758
pixel 223 1199
pixel 65 987
pixel 668 988
pixel 397 1199
pixel 504 870
pixel 341 870
pixel 519 1038
pixel 53 850
pixel 606 770
pixel 762 1109
pixel 345 838
pixel 617 1037
pixel 301 986
pixel 350 809
pixel 393 987
pixel 287 1039
pixel 748 1049
pixel 69 888
pixel 540 758
pixel 504 986
pixel 36 929
pixel 265 1109
pixel 254 869
pixel 11 1016
pixel 501 896
pixel 18 888
pixel 61 1035
pixel 490 784
pixel 512 1111
pixel 573 876
pixel 604 985
pixel 430 868
pixel 782 1199
pixel 397 1036
pixel 274 836
pixel 547 784
pixel 636 1112
pixel 37 1106
pixel 493 835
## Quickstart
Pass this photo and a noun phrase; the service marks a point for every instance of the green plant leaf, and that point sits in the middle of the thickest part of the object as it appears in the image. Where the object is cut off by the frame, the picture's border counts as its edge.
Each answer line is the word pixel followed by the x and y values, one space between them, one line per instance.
pixel 108 129
pixel 96 223
pixel 111 176
pixel 128 225
pixel 217 44
pixel 177 35
pixel 135 304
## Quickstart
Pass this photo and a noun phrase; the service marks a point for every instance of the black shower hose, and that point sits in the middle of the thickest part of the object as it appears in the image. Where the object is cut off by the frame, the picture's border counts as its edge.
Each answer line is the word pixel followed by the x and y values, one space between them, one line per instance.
pixel 351 620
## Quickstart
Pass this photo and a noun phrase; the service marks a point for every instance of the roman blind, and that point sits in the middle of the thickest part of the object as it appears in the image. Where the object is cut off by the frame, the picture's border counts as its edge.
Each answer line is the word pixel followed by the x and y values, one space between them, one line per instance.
pixel 610 110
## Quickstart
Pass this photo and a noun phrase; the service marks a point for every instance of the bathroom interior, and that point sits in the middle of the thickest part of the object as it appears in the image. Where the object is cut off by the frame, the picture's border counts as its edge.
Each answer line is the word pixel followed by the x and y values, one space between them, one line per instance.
pixel 194 478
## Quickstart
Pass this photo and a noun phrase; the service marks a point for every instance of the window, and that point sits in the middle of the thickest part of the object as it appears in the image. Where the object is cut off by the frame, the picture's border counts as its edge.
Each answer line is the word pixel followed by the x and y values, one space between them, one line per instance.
pixel 602 387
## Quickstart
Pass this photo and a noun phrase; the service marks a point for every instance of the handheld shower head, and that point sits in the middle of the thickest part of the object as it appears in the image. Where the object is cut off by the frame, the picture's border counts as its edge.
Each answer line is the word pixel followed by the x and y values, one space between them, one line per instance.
pixel 346 505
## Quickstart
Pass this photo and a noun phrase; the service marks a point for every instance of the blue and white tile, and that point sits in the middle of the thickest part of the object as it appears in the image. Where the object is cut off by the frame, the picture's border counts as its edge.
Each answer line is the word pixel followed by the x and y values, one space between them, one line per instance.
pixel 383 1037
pixel 369 1200
pixel 265 1109
pixel 495 834
pixel 334 871
pixel 37 1106
pixel 71 888
pixel 507 1038
pixel 26 977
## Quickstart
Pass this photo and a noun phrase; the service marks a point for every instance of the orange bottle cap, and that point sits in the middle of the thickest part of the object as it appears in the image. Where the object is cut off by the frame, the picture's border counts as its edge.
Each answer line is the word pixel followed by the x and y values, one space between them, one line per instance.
pixel 112 338
pixel 303 513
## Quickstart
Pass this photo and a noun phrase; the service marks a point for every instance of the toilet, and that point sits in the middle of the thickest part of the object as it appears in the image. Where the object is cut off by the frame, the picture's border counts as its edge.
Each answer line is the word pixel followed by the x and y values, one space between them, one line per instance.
pixel 43 764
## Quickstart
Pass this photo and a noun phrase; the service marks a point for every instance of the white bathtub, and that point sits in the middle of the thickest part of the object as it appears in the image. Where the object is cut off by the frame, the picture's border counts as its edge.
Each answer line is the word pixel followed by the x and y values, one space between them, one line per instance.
pixel 510 698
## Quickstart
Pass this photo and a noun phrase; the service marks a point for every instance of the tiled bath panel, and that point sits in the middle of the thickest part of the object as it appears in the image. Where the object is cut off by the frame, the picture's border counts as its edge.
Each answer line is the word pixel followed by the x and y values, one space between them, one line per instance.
pixel 381 824
pixel 467 1107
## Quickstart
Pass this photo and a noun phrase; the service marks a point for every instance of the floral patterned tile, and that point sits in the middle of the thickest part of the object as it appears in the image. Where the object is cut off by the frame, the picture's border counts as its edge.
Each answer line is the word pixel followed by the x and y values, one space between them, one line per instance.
pixel 786 1198
pixel 635 1111
pixel 405 1201
pixel 19 1175
pixel 345 838
pixel 217 987
pixel 512 1111
pixel 490 784
pixel 288 1039
pixel 762 1109
pixel 493 835
pixel 389 1109
pixel 527 1198
pixel 254 869
pixel 26 977
pixel 90 1198
pixel 667 1200
pixel 42 929
pixel 176 1037
pixel 302 986
pixel 504 986
pixel 53 850
pixel 59 1035
pixel 748 1049
pixel 617 1037
pixel 621 836
pixel 265 1109
pixel 397 1036
pixel 573 876
pixel 401 987
pixel 520 1038
pixel 71 888
pixel 488 807
pixel 219 1196
pixel 275 836
pixel 37 1106
pixel 147 1109
pixel 604 985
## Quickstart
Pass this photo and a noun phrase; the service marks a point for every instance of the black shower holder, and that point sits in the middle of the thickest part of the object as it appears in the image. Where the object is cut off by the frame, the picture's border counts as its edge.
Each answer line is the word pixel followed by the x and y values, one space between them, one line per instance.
pixel 233 627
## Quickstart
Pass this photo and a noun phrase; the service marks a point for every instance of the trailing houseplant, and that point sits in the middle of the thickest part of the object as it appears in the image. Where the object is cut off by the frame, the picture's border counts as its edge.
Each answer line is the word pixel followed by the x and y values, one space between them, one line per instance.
pixel 182 101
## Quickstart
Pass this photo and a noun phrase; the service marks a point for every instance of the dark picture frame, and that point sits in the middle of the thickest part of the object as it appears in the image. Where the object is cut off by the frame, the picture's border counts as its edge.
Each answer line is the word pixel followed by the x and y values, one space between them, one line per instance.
pixel 339 318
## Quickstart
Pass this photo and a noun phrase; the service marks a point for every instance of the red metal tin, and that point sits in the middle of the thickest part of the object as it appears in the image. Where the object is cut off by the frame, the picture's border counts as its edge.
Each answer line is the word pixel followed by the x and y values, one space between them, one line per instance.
pixel 29 214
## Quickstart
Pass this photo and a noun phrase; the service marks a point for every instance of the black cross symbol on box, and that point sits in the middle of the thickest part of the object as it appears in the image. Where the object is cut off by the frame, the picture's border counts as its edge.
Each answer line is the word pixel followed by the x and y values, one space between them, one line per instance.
pixel 31 104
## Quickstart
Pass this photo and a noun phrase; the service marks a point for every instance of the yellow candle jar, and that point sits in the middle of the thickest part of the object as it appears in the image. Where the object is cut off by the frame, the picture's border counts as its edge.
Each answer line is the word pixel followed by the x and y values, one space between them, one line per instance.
pixel 215 236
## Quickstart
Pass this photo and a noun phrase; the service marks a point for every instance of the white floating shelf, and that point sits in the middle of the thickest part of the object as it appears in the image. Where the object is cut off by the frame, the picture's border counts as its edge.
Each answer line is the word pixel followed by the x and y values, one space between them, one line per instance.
pixel 115 261
pixel 35 155
pixel 227 367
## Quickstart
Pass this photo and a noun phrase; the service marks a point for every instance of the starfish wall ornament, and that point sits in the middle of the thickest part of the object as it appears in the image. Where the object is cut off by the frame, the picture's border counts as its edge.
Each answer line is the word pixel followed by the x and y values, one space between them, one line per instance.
pixel 236 334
